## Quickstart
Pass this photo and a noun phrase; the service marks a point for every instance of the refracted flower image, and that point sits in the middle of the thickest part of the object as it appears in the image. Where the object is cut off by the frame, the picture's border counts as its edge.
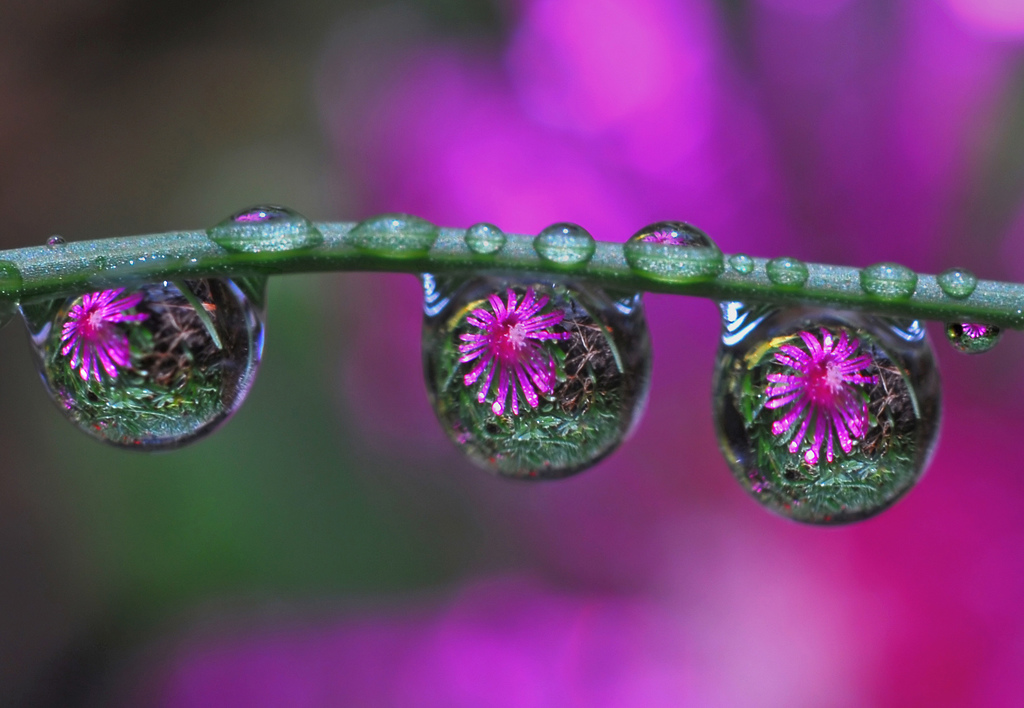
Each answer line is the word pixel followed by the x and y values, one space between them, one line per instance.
pixel 973 337
pixel 823 384
pixel 825 417
pixel 152 368
pixel 506 349
pixel 91 334
pixel 974 331
pixel 534 380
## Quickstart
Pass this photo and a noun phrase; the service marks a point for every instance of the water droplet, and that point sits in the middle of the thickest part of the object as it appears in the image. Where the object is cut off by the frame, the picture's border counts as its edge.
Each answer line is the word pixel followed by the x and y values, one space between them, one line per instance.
pixel 787 272
pixel 265 229
pixel 742 264
pixel 957 282
pixel 534 380
pixel 55 241
pixel 673 252
pixel 972 338
pixel 825 417
pixel 485 239
pixel 154 367
pixel 566 245
pixel 888 281
pixel 394 236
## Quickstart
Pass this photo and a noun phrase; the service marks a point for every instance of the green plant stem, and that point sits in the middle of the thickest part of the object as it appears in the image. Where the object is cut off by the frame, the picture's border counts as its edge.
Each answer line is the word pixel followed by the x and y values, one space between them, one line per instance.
pixel 75 267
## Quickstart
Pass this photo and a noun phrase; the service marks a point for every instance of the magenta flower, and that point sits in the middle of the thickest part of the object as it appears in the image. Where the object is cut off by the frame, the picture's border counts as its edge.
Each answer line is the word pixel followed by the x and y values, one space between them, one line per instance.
pixel 666 236
pixel 822 389
pixel 507 346
pixel 974 331
pixel 90 336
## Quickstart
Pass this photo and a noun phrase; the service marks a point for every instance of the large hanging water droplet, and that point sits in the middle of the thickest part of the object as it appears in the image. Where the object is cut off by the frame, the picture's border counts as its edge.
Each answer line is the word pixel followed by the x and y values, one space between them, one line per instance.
pixel 824 417
pixel 957 282
pixel 394 236
pixel 888 281
pixel 565 245
pixel 674 252
pixel 534 379
pixel 262 229
pixel 485 239
pixel 151 367
pixel 973 338
pixel 787 272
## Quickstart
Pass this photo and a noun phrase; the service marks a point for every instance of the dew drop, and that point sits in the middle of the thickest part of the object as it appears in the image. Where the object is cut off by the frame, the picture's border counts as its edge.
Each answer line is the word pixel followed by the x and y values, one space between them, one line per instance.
pixel 673 252
pixel 534 380
pixel 394 236
pixel 787 272
pixel 152 367
pixel 485 239
pixel 265 229
pixel 55 241
pixel 566 245
pixel 957 282
pixel 972 338
pixel 888 281
pixel 742 263
pixel 824 417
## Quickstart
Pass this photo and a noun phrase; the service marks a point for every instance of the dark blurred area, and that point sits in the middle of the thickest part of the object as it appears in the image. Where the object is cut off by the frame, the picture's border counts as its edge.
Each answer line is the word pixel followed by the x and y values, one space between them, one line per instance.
pixel 124 117
pixel 328 546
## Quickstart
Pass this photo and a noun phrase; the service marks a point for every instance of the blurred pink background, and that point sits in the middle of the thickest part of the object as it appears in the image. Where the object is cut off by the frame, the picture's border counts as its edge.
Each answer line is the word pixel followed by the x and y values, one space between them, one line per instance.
pixel 851 131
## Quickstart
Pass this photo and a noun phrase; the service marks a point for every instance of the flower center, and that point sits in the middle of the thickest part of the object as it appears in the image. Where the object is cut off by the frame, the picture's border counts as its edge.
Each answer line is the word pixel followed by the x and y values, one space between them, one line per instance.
pixel 92 325
pixel 509 341
pixel 824 381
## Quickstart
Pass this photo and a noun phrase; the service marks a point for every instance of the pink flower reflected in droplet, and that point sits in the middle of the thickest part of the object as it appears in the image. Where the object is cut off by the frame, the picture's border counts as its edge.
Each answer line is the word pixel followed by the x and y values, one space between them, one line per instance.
pixel 506 347
pixel 823 389
pixel 90 335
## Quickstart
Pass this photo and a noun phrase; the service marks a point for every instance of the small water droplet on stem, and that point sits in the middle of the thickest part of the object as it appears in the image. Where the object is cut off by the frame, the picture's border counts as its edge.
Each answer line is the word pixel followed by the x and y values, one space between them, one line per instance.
pixel 565 245
pixel 673 252
pixel 394 236
pixel 787 272
pixel 957 283
pixel 265 229
pixel 888 281
pixel 742 264
pixel 485 239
